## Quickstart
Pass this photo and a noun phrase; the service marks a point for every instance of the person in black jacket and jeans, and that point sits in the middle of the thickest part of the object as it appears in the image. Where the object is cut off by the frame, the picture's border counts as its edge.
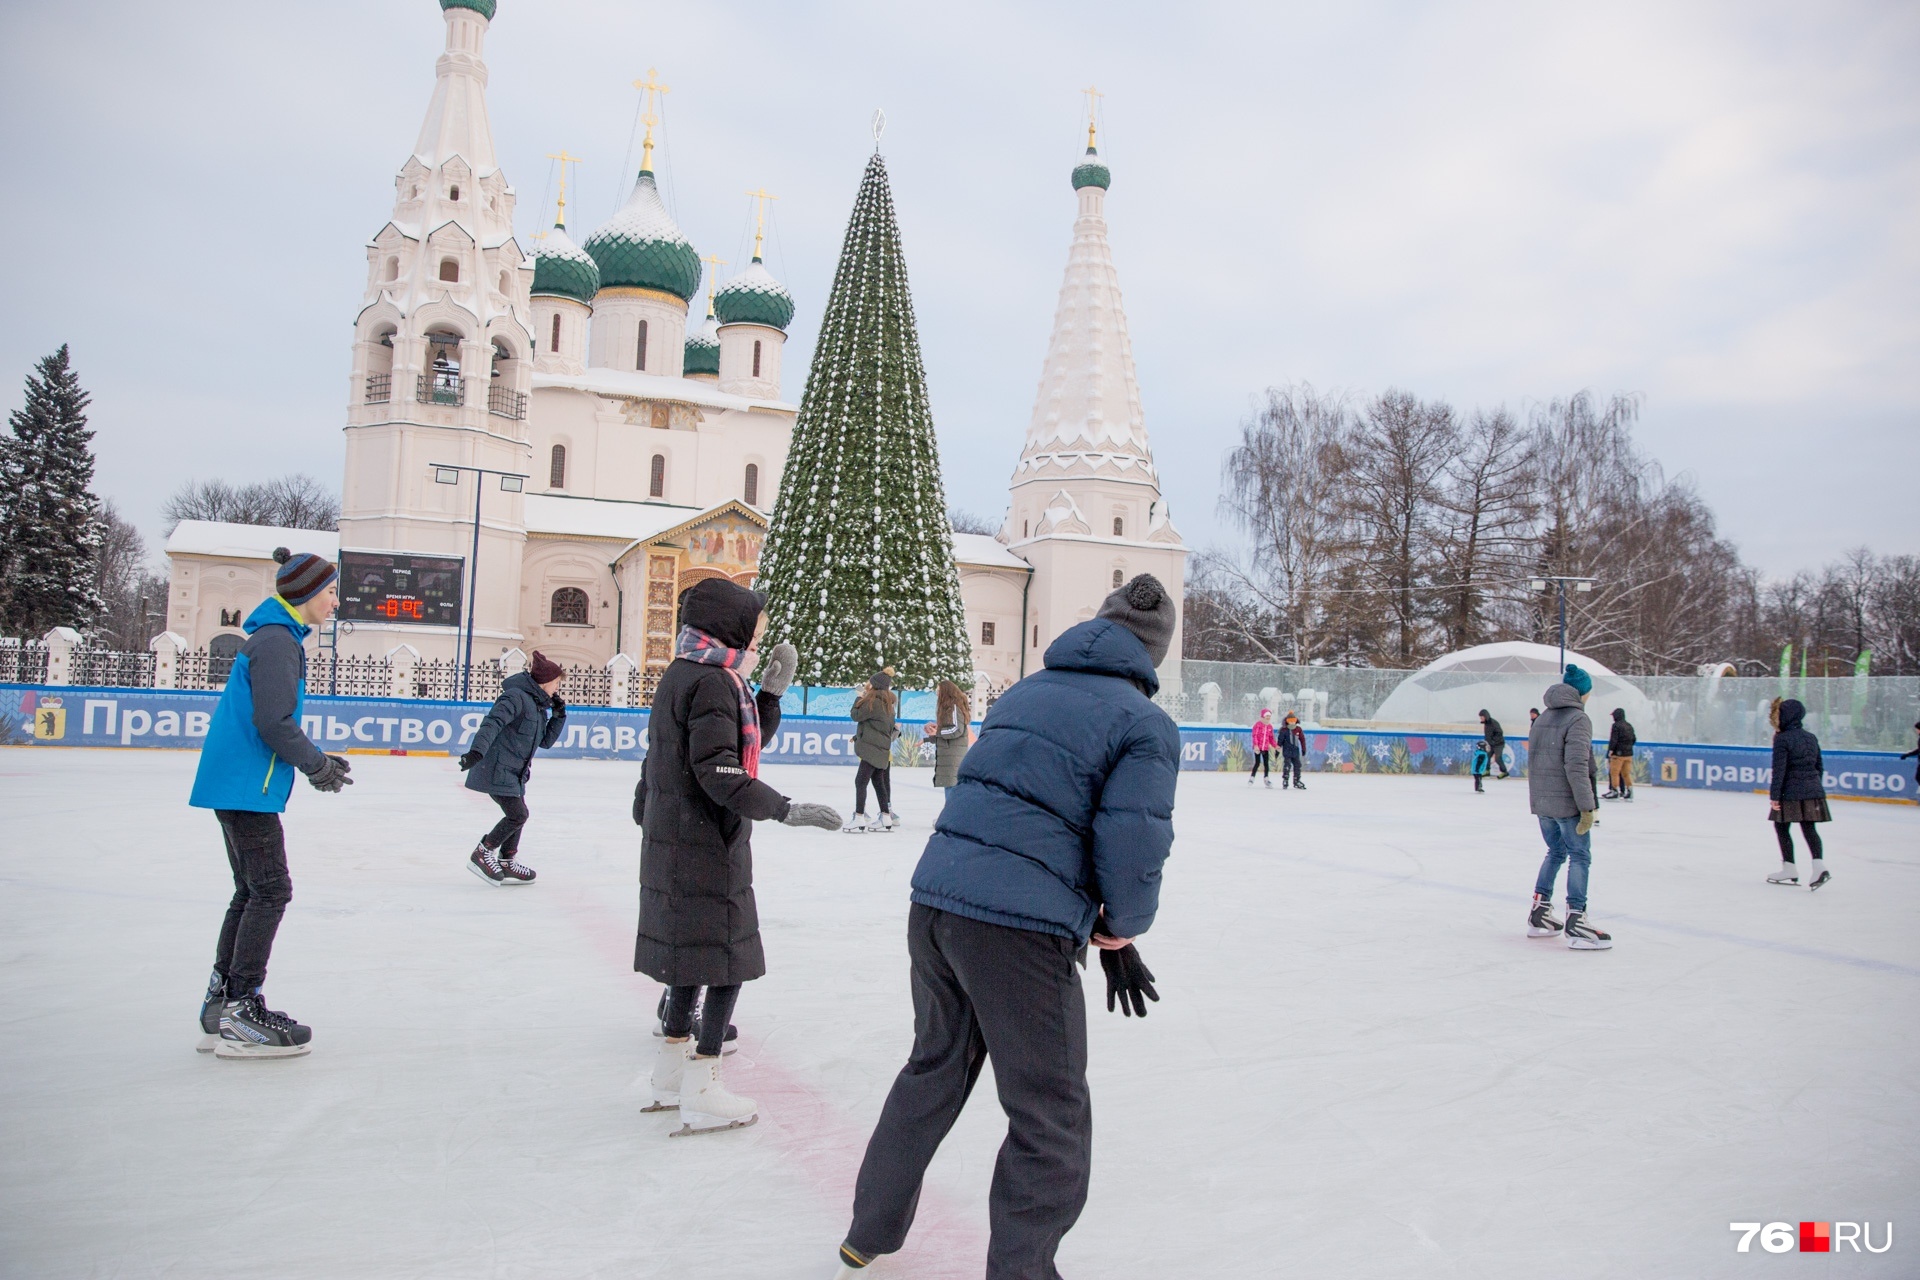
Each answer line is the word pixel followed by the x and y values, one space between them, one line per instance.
pixel 1496 742
pixel 1620 740
pixel 1914 755
pixel 1798 793
pixel 528 715
pixel 698 798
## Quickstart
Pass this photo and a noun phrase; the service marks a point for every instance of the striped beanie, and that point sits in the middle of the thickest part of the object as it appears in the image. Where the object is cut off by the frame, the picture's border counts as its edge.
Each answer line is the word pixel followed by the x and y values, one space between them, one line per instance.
pixel 303 576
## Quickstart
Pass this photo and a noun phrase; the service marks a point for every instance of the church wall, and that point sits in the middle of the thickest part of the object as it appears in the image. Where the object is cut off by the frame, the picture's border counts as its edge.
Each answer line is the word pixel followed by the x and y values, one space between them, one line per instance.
pixel 554 564
pixel 201 588
pixel 992 595
pixel 1073 575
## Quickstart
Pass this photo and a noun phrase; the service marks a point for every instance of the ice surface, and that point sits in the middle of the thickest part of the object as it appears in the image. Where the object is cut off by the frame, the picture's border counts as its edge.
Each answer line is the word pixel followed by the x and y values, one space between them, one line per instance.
pixel 1360 1067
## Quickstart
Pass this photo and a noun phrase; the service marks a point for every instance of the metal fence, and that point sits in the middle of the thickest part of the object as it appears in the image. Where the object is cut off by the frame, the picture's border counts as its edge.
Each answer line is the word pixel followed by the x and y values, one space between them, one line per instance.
pixel 22 661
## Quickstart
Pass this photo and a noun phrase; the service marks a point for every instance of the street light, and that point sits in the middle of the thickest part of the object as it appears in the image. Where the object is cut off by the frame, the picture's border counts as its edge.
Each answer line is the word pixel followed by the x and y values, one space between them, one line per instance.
pixel 1578 584
pixel 510 482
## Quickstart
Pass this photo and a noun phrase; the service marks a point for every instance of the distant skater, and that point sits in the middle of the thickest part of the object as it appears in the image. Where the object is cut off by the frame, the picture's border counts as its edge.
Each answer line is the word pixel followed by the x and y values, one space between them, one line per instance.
pixel 529 715
pixel 950 731
pixel 875 712
pixel 1293 751
pixel 1620 741
pixel 1914 755
pixel 1265 743
pixel 1799 792
pixel 1496 739
pixel 1560 773
pixel 253 746
pixel 1482 753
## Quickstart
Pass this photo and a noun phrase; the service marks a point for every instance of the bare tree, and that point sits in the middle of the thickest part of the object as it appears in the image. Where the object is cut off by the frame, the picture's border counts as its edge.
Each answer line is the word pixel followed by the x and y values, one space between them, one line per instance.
pixel 134 596
pixel 971 522
pixel 291 502
pixel 1394 459
pixel 1487 510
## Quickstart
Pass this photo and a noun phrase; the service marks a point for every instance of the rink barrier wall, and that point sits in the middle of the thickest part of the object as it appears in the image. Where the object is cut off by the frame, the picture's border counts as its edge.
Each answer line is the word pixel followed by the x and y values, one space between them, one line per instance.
pixel 68 716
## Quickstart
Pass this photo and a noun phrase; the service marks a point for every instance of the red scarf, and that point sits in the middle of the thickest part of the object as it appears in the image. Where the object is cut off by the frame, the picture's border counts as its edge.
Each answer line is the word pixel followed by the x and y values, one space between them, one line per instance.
pixel 697 646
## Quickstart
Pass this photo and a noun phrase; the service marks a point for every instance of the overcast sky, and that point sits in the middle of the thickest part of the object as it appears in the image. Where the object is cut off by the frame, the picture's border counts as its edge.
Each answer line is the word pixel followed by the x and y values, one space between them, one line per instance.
pixel 1715 205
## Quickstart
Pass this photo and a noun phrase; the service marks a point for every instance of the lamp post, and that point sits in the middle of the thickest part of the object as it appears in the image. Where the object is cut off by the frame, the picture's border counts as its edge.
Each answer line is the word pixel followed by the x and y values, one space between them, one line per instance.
pixel 1579 584
pixel 510 482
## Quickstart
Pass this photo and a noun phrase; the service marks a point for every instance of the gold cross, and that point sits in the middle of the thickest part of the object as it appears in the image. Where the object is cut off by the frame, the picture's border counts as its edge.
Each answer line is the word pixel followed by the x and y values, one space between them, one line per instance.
pixel 1093 106
pixel 761 197
pixel 560 216
pixel 713 278
pixel 652 87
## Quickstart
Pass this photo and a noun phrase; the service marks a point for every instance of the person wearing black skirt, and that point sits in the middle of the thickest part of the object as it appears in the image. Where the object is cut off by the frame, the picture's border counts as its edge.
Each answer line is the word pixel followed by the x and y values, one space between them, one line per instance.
pixel 1799 792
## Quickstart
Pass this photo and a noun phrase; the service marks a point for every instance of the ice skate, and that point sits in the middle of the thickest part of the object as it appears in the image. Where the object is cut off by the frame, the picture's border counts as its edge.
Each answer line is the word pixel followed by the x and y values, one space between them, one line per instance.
pixel 705 1104
pixel 1787 874
pixel 1609 795
pixel 853 1262
pixel 1540 921
pixel 515 871
pixel 484 863
pixel 1299 785
pixel 248 1029
pixel 210 1012
pixel 1269 784
pixel 889 820
pixel 859 823
pixel 1820 874
pixel 1627 795
pixel 669 1066
pixel 1582 936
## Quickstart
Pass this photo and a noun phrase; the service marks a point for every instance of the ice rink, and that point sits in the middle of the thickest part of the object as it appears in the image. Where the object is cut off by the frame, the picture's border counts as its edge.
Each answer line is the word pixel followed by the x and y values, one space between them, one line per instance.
pixel 1360 1066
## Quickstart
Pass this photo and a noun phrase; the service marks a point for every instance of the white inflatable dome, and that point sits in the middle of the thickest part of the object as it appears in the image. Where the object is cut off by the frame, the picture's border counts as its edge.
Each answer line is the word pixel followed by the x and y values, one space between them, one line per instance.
pixel 1506 679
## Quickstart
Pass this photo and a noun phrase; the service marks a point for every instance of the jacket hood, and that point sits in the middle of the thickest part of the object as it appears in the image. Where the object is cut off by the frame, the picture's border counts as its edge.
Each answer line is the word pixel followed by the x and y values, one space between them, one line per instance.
pixel 1561 695
pixel 1619 715
pixel 524 681
pixel 1104 647
pixel 1792 713
pixel 273 612
pixel 724 610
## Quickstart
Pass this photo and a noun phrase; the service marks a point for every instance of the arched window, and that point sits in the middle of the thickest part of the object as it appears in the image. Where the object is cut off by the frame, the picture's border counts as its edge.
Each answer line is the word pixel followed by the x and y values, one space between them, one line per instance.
pixel 756 357
pixel 449 270
pixel 393 268
pixel 556 332
pixel 1119 527
pixel 557 468
pixel 505 285
pixel 221 651
pixel 453 192
pixel 1116 578
pixel 753 484
pixel 657 477
pixel 1026 530
pixel 640 349
pixel 569 608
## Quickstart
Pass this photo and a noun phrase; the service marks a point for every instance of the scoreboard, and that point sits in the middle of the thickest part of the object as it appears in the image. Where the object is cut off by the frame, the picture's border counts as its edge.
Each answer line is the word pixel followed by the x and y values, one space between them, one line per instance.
pixel 379 586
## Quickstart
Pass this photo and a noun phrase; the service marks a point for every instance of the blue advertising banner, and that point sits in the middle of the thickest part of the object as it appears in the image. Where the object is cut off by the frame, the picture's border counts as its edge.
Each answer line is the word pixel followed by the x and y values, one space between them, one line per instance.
pixel 48 716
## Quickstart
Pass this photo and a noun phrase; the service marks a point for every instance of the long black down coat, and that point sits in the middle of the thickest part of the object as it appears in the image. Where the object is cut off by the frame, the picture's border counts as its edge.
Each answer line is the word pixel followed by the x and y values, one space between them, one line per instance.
pixel 1799 772
pixel 696 806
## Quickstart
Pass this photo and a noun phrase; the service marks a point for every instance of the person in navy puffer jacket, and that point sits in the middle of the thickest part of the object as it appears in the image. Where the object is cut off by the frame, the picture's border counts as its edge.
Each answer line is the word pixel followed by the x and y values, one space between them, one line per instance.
pixel 1054 837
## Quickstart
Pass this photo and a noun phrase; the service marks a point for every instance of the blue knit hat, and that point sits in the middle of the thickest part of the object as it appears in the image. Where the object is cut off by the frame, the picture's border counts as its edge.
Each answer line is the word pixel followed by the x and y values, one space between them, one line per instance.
pixel 1582 682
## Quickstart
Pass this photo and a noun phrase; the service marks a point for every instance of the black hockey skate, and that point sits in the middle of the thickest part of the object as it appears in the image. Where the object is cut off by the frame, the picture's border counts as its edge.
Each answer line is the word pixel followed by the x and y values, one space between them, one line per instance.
pixel 1610 795
pixel 485 863
pixel 1540 921
pixel 210 1012
pixel 853 1262
pixel 514 871
pixel 248 1029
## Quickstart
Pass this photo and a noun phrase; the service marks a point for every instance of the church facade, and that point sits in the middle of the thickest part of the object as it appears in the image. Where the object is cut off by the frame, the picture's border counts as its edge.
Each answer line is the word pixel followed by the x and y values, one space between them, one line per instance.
pixel 545 425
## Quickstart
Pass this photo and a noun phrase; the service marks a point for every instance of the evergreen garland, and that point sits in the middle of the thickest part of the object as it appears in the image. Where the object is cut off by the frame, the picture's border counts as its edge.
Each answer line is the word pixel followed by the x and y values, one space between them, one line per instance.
pixel 51 526
pixel 858 567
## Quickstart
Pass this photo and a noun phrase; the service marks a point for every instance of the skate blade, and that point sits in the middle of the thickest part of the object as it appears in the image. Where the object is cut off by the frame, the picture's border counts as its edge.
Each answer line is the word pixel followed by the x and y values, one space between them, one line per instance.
pixel 1794 882
pixel 1822 880
pixel 1542 933
pixel 207 1043
pixel 242 1051
pixel 690 1130
pixel 1589 944
pixel 658 1105
pixel 509 882
pixel 484 877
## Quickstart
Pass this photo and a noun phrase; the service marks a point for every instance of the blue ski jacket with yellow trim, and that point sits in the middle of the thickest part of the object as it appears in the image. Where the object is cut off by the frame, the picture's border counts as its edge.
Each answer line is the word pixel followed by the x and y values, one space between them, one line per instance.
pixel 255 741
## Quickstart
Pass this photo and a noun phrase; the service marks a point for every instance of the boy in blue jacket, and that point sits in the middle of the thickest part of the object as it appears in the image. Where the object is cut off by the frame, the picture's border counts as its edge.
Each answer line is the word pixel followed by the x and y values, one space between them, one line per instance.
pixel 253 746
pixel 1054 836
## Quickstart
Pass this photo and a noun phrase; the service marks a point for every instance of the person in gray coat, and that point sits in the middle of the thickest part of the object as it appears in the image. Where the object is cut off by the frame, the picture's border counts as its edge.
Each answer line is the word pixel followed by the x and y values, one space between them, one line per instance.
pixel 1560 774
pixel 528 715
pixel 950 731
pixel 874 715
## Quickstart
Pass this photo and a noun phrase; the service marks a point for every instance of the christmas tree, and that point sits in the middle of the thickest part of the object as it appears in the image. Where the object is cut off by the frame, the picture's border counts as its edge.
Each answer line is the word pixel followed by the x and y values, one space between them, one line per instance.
pixel 859 568
pixel 50 522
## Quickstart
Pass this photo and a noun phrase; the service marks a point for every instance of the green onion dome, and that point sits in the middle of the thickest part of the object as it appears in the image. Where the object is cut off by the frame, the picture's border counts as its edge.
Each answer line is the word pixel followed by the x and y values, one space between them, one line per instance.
pixel 562 269
pixel 1090 172
pixel 703 350
pixel 482 7
pixel 641 248
pixel 754 297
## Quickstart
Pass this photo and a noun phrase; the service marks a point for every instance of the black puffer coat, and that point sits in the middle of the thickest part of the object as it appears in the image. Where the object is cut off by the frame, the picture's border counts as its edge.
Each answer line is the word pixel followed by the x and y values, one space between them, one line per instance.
pixel 514 729
pixel 1799 771
pixel 1621 738
pixel 696 805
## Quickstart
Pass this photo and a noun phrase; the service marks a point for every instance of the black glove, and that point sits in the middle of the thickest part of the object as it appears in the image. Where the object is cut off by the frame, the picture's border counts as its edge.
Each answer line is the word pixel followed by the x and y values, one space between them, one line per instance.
pixel 1128 978
pixel 559 705
pixel 469 760
pixel 331 775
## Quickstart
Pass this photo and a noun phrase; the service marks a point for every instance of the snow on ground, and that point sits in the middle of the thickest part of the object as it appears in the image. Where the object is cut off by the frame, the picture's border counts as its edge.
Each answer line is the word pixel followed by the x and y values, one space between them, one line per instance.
pixel 1360 1067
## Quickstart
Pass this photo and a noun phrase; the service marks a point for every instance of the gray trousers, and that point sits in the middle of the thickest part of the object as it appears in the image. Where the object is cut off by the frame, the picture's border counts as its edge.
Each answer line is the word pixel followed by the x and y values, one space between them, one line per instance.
pixel 987 991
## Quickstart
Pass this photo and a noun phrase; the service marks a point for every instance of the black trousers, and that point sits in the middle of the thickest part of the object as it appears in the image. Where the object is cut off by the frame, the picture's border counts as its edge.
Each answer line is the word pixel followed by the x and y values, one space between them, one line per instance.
pixel 716 1011
pixel 257 853
pixel 1784 830
pixel 1289 767
pixel 987 991
pixel 504 839
pixel 1262 760
pixel 882 780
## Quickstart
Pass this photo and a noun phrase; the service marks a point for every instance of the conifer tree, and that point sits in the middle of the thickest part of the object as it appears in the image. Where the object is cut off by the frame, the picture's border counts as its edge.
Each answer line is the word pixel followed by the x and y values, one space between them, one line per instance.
pixel 859 566
pixel 50 522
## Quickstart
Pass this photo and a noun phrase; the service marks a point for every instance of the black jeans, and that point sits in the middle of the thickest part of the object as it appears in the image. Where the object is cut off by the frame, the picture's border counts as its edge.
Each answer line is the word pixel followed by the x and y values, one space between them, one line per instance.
pixel 985 990
pixel 504 839
pixel 716 1011
pixel 882 788
pixel 1289 766
pixel 1784 830
pixel 1262 760
pixel 257 853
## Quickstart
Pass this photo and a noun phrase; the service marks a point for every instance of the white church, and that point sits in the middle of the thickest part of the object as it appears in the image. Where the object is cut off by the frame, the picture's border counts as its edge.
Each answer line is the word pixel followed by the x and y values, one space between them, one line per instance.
pixel 547 435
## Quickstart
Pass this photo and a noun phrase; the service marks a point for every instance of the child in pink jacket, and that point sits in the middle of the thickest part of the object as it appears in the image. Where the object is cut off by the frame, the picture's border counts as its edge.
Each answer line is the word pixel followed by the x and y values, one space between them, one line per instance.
pixel 1264 745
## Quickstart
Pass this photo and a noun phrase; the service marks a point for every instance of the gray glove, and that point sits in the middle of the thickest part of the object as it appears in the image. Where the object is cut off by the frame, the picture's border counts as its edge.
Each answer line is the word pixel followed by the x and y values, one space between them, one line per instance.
pixel 331 775
pixel 776 671
pixel 824 816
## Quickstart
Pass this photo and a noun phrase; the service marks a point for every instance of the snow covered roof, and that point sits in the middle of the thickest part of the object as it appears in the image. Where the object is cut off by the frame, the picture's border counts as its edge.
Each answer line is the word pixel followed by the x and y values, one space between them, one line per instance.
pixel 248 541
pixel 555 514
pixel 980 549
pixel 1505 679
pixel 656 386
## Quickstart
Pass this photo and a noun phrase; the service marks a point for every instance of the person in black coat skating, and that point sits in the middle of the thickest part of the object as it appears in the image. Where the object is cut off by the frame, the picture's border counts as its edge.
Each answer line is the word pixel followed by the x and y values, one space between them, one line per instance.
pixel 1620 742
pixel 1798 793
pixel 1496 739
pixel 698 797
pixel 1914 755
pixel 528 715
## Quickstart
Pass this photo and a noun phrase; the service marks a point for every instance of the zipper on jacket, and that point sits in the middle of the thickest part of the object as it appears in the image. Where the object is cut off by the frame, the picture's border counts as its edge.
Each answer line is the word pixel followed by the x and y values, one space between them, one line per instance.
pixel 271 762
